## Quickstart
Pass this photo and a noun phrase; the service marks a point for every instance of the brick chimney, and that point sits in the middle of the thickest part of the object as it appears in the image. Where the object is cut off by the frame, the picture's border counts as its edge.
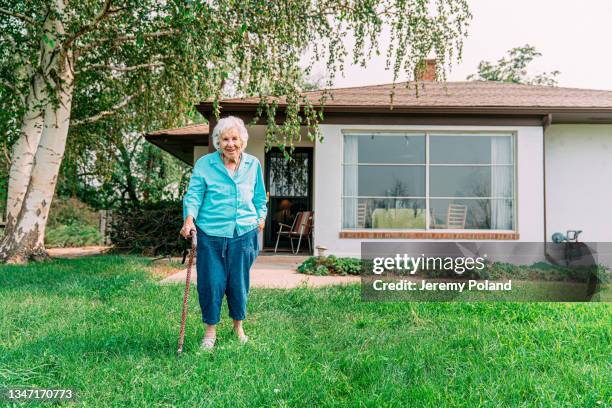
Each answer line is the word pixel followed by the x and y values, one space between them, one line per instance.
pixel 425 70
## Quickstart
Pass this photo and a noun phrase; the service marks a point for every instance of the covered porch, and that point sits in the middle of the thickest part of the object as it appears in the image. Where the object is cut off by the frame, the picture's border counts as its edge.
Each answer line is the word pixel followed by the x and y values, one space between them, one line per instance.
pixel 289 185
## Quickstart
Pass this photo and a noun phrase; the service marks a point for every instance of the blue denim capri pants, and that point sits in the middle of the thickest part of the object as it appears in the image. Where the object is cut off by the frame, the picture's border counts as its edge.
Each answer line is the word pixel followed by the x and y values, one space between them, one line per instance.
pixel 223 266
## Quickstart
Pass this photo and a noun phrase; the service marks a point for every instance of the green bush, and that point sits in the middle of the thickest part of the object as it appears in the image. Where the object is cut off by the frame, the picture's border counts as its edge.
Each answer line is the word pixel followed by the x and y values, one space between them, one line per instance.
pixel 330 265
pixel 72 223
pixel 67 211
pixel 72 235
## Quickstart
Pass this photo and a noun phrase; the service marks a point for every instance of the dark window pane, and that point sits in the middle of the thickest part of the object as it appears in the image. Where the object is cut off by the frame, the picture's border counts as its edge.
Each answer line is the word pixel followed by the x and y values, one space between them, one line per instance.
pixel 388 149
pixel 385 181
pixel 455 181
pixel 477 149
pixel 468 181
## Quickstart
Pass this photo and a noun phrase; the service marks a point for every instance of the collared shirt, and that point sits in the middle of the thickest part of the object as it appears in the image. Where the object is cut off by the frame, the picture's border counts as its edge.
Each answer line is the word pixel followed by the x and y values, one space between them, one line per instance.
pixel 220 203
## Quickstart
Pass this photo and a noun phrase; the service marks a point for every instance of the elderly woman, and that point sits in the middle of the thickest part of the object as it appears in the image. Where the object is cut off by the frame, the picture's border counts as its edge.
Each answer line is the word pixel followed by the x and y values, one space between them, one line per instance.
pixel 226 205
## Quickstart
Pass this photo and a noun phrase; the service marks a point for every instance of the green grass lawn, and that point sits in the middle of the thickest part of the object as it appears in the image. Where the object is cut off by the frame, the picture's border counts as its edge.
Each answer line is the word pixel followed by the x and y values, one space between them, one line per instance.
pixel 102 326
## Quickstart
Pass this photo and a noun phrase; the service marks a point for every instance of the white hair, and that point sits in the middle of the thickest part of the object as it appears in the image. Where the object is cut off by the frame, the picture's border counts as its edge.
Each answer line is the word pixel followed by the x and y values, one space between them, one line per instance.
pixel 226 124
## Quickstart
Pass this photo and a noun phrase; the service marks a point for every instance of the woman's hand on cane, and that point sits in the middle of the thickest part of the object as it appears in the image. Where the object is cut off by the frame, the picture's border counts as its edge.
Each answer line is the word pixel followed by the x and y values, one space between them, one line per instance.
pixel 188 226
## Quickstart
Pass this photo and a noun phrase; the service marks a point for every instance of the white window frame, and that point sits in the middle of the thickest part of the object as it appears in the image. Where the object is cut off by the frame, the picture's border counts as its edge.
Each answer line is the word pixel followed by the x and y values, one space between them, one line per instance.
pixel 513 134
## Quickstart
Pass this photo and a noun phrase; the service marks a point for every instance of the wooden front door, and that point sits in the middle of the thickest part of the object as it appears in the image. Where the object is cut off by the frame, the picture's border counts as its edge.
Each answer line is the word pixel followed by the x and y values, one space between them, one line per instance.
pixel 289 184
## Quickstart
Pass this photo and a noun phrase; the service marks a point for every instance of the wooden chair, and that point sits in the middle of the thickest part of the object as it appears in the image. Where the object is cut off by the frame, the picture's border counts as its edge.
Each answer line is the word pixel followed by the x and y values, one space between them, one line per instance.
pixel 362 210
pixel 301 227
pixel 456 216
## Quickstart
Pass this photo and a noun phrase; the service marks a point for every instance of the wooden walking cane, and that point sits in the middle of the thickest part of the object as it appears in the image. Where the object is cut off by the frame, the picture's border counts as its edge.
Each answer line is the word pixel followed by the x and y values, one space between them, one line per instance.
pixel 194 244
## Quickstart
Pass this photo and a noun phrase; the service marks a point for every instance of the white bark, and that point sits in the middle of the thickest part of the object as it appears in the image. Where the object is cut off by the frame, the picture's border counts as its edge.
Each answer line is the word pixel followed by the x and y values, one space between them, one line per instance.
pixel 25 233
pixel 26 238
pixel 48 159
pixel 25 147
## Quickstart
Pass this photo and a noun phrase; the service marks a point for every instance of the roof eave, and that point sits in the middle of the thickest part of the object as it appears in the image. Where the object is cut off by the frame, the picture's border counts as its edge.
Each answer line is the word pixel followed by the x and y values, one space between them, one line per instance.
pixel 206 107
pixel 605 114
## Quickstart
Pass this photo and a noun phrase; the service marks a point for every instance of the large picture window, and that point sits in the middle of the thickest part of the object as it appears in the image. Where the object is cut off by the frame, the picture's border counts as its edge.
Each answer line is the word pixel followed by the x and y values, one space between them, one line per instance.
pixel 428 181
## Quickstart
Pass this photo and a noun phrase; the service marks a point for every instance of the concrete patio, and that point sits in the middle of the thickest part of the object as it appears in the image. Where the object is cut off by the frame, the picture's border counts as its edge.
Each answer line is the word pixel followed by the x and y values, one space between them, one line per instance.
pixel 274 271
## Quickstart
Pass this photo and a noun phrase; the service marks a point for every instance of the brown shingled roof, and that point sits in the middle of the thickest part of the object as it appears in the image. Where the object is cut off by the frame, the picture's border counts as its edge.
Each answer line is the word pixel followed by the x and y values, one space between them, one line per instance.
pixel 179 142
pixel 467 102
pixel 458 94
pixel 185 130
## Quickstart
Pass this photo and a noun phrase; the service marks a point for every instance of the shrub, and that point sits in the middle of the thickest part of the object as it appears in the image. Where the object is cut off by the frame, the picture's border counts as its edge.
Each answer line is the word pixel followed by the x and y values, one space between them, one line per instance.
pixel 72 235
pixel 348 266
pixel 331 264
pixel 326 265
pixel 72 223
pixel 66 211
pixel 150 230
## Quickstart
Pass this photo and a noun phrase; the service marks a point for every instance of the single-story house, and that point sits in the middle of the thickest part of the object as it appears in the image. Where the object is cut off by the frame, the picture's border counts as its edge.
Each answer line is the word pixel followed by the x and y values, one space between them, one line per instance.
pixel 469 160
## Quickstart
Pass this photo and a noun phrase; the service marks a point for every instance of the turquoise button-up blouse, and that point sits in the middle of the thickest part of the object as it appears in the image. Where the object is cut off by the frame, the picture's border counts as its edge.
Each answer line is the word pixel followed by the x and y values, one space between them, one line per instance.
pixel 220 203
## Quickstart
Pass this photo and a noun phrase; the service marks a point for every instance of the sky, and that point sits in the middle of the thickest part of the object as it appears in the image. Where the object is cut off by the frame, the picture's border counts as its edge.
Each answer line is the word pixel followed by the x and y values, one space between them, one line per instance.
pixel 573 37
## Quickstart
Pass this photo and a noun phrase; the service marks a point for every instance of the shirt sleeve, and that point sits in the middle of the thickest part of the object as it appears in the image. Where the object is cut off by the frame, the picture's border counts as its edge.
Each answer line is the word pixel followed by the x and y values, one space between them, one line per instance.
pixel 259 196
pixel 195 194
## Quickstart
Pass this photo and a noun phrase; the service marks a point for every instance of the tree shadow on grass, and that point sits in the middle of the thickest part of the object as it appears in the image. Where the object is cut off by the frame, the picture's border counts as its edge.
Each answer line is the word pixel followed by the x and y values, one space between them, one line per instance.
pixel 100 305
pixel 99 347
pixel 100 276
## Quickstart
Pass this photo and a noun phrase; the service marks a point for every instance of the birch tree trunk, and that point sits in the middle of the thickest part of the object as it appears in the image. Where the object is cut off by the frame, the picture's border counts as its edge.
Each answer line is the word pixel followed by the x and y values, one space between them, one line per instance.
pixel 25 239
pixel 24 150
pixel 31 126
pixel 25 232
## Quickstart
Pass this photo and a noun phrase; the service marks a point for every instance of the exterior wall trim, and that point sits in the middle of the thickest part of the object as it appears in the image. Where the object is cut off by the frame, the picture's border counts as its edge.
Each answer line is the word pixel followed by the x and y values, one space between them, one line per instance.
pixel 497 236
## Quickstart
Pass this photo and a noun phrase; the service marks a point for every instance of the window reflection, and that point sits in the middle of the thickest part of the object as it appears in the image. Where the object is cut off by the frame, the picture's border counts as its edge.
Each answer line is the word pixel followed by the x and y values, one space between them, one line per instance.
pixel 471 181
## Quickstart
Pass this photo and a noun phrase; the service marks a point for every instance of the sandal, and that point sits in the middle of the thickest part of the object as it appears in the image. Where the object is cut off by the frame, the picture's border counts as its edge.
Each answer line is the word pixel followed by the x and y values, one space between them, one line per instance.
pixel 243 338
pixel 208 343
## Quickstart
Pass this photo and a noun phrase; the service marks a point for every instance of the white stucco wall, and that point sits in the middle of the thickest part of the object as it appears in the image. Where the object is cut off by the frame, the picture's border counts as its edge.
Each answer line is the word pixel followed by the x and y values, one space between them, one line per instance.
pixel 579 180
pixel 328 183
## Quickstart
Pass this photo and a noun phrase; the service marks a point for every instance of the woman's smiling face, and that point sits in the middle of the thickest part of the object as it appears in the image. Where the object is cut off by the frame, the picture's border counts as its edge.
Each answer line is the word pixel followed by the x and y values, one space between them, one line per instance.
pixel 230 143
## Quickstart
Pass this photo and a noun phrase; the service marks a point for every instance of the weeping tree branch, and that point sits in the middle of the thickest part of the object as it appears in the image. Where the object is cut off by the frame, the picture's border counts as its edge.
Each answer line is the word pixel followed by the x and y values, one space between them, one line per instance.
pixel 122 69
pixel 155 34
pixel 110 111
pixel 128 37
pixel 10 39
pixel 14 89
pixel 104 12
pixel 18 16
pixel 134 149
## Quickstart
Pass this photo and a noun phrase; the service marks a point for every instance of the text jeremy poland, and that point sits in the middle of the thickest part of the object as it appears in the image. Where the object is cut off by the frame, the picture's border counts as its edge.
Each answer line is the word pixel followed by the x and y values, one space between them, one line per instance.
pixel 441 286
